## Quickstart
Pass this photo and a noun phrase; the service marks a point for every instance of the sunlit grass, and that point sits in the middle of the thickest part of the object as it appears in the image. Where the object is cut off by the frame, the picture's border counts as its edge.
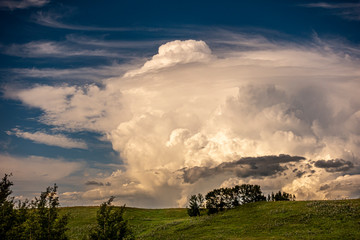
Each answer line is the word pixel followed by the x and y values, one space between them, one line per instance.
pixel 262 220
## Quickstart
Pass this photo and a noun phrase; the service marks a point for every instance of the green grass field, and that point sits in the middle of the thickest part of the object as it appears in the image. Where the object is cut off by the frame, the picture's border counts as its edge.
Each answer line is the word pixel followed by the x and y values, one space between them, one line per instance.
pixel 262 220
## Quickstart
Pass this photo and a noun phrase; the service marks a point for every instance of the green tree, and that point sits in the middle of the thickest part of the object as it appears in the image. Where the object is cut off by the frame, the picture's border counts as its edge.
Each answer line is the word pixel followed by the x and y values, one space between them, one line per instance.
pixel 43 220
pixel 194 205
pixel 110 223
pixel 38 219
pixel 226 198
pixel 8 216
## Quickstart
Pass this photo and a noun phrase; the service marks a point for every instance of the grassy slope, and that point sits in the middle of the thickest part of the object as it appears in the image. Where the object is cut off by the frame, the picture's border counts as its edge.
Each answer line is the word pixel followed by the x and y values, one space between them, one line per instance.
pixel 273 220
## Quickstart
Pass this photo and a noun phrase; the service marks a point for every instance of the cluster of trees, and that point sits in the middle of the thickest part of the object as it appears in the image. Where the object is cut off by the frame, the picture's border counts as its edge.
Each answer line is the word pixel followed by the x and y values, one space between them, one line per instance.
pixel 36 219
pixel 281 196
pixel 40 219
pixel 226 198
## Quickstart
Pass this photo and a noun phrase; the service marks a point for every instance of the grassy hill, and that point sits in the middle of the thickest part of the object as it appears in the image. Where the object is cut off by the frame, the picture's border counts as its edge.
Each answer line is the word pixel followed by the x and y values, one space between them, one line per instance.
pixel 262 220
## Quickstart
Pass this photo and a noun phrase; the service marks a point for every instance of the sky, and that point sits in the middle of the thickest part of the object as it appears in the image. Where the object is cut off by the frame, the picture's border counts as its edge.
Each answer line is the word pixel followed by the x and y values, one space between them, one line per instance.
pixel 153 101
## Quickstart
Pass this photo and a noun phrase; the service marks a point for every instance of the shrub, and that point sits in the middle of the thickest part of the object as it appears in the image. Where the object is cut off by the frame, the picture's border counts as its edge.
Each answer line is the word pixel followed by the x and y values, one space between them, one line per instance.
pixel 110 223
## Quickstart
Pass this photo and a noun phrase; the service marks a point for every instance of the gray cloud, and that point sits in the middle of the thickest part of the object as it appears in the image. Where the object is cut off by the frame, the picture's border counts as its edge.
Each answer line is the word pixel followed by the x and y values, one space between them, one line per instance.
pixel 334 165
pixel 245 167
pixel 324 187
pixel 95 183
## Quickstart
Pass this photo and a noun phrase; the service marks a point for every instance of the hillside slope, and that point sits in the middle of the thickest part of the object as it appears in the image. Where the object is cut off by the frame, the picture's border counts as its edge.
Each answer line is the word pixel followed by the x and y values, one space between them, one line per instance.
pixel 262 220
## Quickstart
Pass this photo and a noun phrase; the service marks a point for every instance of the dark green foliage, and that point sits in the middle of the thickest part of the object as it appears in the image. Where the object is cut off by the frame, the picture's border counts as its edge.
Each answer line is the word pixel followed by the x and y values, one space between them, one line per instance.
pixel 8 215
pixel 38 219
pixel 110 223
pixel 195 204
pixel 225 198
pixel 281 196
pixel 43 220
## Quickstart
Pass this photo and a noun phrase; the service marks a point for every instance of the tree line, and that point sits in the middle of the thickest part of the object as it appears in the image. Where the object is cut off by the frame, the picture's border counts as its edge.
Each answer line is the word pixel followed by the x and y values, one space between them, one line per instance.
pixel 226 198
pixel 39 219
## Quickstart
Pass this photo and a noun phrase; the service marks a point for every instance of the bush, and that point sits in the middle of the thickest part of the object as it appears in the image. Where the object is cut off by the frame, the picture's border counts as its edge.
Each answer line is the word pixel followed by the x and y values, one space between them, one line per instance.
pixel 110 223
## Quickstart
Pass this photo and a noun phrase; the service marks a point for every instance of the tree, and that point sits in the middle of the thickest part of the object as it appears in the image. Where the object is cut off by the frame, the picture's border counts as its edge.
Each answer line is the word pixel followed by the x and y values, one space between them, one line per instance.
pixel 7 214
pixel 38 219
pixel 194 207
pixel 281 196
pixel 249 193
pixel 43 220
pixel 110 223
pixel 226 198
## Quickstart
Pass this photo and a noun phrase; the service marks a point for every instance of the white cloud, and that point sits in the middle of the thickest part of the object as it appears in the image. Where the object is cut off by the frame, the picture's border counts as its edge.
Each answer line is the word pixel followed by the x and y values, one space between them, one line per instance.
pixel 176 52
pixel 186 107
pixel 75 108
pixel 21 4
pixel 58 140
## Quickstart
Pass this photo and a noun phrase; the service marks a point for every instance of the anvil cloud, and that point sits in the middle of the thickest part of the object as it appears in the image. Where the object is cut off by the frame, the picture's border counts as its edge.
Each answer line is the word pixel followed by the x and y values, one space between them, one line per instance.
pixel 192 118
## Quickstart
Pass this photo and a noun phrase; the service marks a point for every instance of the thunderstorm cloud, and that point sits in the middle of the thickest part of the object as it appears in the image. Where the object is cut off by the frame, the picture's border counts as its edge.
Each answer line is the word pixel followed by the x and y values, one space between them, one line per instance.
pixel 192 118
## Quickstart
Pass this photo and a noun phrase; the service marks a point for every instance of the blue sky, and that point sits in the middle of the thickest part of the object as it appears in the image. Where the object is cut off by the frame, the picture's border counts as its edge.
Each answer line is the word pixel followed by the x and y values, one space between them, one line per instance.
pixel 151 101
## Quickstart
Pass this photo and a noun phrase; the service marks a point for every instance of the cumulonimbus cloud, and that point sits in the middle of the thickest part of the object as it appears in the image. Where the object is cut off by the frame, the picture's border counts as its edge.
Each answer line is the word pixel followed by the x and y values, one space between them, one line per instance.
pixel 189 108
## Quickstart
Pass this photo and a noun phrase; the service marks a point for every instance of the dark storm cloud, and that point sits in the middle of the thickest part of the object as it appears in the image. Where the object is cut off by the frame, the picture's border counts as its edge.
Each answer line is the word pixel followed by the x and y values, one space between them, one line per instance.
pixel 324 187
pixel 334 165
pixel 95 183
pixel 245 167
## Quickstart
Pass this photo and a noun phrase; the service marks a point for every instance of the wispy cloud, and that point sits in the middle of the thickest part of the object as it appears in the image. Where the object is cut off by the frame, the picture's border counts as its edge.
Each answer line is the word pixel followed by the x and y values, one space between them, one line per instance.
pixel 87 74
pixel 98 42
pixel 58 140
pixel 40 49
pixel 22 4
pixel 50 19
pixel 350 11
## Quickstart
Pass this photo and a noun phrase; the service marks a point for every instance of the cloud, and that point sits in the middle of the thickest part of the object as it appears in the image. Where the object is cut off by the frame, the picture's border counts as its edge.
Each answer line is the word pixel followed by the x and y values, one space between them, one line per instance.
pixel 58 140
pixel 243 168
pixel 334 165
pixel 193 109
pixel 85 74
pixel 176 52
pixel 342 187
pixel 51 19
pixel 40 49
pixel 349 11
pixel 68 113
pixel 100 42
pixel 33 174
pixel 95 183
pixel 36 168
pixel 22 4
